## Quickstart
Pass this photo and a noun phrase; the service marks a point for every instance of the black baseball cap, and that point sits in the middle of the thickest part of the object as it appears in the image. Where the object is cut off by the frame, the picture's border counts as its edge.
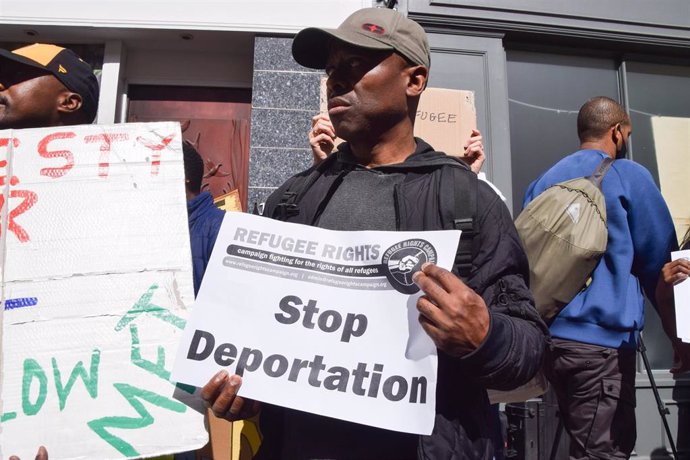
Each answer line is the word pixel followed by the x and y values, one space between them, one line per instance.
pixel 369 28
pixel 66 66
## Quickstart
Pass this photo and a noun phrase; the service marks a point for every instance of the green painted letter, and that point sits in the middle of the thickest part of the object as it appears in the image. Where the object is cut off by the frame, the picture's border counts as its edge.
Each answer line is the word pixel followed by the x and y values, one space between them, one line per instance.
pixel 90 382
pixel 33 370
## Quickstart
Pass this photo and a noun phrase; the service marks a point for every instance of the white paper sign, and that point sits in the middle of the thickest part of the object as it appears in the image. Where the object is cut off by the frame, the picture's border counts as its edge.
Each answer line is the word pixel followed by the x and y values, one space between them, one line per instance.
pixel 681 293
pixel 318 320
pixel 96 285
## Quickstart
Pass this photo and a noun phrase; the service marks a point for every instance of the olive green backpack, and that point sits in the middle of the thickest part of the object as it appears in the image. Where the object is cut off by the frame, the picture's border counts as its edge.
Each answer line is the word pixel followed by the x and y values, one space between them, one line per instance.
pixel 564 233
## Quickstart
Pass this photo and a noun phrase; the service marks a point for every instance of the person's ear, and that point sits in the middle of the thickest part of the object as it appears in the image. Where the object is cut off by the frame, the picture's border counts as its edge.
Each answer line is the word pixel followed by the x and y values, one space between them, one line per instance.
pixel 418 76
pixel 615 132
pixel 69 102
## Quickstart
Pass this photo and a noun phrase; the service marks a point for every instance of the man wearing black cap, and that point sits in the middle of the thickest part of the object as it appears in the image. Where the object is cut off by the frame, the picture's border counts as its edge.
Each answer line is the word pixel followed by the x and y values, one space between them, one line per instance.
pixel 481 317
pixel 45 85
pixel 41 86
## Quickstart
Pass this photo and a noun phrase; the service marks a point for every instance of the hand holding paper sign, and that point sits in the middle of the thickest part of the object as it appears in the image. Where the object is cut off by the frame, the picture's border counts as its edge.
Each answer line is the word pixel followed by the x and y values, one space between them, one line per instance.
pixel 455 317
pixel 674 274
pixel 220 393
pixel 676 271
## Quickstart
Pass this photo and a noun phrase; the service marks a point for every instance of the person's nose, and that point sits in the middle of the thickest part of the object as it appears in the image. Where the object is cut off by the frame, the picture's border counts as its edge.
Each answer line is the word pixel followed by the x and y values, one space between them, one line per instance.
pixel 336 84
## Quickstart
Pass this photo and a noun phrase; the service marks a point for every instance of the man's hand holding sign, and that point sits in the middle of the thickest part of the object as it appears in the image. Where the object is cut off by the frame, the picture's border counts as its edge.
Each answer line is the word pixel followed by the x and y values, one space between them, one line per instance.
pixel 454 316
pixel 220 393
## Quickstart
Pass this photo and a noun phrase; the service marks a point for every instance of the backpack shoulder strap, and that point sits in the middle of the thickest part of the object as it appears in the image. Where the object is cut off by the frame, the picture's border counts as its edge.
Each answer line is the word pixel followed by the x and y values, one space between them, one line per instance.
pixel 599 173
pixel 289 194
pixel 459 212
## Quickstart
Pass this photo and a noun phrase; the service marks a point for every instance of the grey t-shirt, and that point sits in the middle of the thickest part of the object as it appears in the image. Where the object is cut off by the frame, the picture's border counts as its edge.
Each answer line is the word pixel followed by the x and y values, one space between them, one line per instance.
pixel 363 201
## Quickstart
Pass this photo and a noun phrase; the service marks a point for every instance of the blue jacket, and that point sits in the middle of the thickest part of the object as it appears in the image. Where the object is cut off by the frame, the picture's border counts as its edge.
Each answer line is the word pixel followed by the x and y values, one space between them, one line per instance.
pixel 204 222
pixel 610 312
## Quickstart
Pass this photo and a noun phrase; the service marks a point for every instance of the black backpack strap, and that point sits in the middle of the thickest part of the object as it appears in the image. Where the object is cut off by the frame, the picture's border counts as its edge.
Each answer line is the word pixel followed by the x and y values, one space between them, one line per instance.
pixel 279 197
pixel 290 194
pixel 459 212
pixel 599 173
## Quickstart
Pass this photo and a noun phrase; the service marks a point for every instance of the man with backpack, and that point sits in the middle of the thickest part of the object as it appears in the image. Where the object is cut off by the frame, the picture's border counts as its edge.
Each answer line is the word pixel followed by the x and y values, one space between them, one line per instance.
pixel 481 317
pixel 591 364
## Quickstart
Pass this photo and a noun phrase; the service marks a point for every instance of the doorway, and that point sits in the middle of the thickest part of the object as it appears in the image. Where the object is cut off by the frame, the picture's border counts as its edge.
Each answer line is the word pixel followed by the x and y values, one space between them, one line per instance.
pixel 214 120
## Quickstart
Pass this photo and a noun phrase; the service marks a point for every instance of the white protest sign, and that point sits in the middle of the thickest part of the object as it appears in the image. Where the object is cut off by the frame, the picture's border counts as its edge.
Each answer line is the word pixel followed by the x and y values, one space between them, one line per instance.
pixel 96 285
pixel 320 321
pixel 681 294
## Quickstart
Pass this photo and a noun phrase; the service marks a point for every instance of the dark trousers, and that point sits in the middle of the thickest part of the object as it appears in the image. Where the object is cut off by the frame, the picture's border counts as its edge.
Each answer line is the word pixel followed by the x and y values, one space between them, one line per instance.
pixel 595 387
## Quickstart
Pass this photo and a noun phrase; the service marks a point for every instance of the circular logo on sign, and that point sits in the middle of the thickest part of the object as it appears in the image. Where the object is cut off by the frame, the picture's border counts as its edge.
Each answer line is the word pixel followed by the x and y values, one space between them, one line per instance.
pixel 404 259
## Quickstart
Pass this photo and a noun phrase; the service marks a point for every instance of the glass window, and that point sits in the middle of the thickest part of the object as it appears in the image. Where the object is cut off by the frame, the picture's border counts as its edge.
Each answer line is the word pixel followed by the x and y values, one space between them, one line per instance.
pixel 659 106
pixel 546 91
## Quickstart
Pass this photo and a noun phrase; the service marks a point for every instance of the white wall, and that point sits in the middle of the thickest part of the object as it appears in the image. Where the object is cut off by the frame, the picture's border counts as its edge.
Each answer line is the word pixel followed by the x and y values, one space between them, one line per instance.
pixel 279 16
pixel 216 59
pixel 162 57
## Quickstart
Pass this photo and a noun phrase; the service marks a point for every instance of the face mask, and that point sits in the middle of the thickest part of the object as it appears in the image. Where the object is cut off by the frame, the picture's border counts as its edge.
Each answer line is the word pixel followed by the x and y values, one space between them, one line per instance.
pixel 624 149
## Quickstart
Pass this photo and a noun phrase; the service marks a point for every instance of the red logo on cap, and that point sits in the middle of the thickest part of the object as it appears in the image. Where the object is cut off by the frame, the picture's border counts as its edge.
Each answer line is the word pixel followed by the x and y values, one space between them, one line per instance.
pixel 373 28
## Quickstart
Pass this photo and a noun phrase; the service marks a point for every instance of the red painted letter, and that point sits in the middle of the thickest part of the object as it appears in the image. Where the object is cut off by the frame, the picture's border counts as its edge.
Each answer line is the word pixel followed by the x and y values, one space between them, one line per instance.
pixel 30 199
pixel 156 148
pixel 56 173
pixel 4 142
pixel 106 140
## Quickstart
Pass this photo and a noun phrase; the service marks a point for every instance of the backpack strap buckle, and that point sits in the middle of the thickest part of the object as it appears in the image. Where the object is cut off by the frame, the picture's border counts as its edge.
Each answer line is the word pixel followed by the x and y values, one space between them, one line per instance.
pixel 465 225
pixel 464 255
pixel 287 206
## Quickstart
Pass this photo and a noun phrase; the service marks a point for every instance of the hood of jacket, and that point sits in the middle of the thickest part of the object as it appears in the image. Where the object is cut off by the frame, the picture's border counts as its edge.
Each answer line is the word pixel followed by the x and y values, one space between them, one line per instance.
pixel 199 206
pixel 423 157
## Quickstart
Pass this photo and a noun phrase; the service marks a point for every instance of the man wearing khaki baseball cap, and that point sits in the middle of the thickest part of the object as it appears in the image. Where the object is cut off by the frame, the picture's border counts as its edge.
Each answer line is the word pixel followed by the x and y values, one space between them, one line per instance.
pixel 481 317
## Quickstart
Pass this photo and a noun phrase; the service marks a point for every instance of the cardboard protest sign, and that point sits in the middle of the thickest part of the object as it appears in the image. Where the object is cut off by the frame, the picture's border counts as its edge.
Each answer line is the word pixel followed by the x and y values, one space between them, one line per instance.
pixel 681 294
pixel 672 148
pixel 445 118
pixel 318 320
pixel 96 286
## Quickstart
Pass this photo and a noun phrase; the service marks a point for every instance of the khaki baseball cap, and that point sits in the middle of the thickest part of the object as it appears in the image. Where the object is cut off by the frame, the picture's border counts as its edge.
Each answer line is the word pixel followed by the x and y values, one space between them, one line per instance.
pixel 368 28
